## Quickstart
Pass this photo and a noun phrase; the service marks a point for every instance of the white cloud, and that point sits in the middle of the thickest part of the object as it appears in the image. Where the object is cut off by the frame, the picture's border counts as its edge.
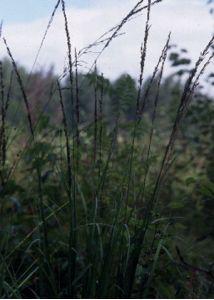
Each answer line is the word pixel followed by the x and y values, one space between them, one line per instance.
pixel 188 20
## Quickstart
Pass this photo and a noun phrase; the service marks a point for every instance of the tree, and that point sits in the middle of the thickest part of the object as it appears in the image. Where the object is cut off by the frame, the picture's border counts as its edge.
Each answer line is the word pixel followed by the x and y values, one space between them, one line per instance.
pixel 123 97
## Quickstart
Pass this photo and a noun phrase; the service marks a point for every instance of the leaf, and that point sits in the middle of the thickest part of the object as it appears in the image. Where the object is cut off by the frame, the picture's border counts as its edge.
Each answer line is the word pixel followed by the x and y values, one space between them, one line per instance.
pixel 190 180
pixel 207 189
pixel 176 204
pixel 211 75
pixel 173 56
pixel 180 226
pixel 182 61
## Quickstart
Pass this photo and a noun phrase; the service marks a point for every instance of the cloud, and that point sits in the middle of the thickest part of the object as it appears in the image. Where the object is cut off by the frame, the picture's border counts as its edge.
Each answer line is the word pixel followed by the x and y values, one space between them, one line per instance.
pixel 188 20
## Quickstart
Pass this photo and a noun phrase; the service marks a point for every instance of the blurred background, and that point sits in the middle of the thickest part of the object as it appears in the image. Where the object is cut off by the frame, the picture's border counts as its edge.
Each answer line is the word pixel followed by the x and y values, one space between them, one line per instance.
pixel 24 23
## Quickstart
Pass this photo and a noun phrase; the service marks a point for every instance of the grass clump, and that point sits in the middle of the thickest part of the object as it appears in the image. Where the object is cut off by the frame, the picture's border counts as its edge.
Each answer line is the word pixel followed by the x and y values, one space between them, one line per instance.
pixel 86 200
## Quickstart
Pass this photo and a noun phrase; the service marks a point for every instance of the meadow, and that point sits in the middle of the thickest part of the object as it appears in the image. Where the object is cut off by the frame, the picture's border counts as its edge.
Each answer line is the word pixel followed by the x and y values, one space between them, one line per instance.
pixel 107 188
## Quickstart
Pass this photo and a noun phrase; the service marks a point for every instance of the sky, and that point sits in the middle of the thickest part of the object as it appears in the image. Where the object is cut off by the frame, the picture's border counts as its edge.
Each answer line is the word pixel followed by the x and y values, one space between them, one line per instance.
pixel 25 21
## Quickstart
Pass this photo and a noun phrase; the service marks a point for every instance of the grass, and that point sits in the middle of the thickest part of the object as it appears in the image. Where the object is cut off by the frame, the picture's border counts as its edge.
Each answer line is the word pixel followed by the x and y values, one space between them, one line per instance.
pixel 89 223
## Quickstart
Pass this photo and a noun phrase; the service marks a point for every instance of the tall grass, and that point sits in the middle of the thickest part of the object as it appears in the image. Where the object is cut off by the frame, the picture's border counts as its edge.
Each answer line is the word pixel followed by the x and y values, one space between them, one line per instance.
pixel 99 236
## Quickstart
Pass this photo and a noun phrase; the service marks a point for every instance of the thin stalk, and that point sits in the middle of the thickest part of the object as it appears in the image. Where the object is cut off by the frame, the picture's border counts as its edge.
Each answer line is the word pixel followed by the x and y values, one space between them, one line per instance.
pixel 77 107
pixel 70 62
pixel 43 233
pixel 2 131
pixel 4 109
pixel 143 57
pixel 95 116
pixel 21 88
pixel 102 180
pixel 101 122
pixel 114 31
pixel 142 65
pixel 163 58
pixel 189 90
pixel 72 235
pixel 187 93
pixel 70 188
pixel 44 37
pixel 9 91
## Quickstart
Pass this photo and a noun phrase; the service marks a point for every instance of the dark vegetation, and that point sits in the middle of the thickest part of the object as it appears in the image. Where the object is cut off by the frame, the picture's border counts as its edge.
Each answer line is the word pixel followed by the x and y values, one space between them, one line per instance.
pixel 107 188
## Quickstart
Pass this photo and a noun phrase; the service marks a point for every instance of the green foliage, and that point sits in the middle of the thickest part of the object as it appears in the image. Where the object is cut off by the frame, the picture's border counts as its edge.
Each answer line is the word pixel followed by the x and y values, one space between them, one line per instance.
pixel 99 202
pixel 111 201
pixel 124 94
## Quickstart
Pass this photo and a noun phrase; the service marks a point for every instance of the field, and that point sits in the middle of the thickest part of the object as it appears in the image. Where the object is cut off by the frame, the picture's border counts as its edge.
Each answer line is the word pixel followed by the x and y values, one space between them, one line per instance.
pixel 106 188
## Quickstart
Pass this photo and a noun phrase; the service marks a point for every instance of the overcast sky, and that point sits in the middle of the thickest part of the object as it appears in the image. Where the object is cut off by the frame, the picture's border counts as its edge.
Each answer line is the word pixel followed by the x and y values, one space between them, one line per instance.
pixel 24 23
